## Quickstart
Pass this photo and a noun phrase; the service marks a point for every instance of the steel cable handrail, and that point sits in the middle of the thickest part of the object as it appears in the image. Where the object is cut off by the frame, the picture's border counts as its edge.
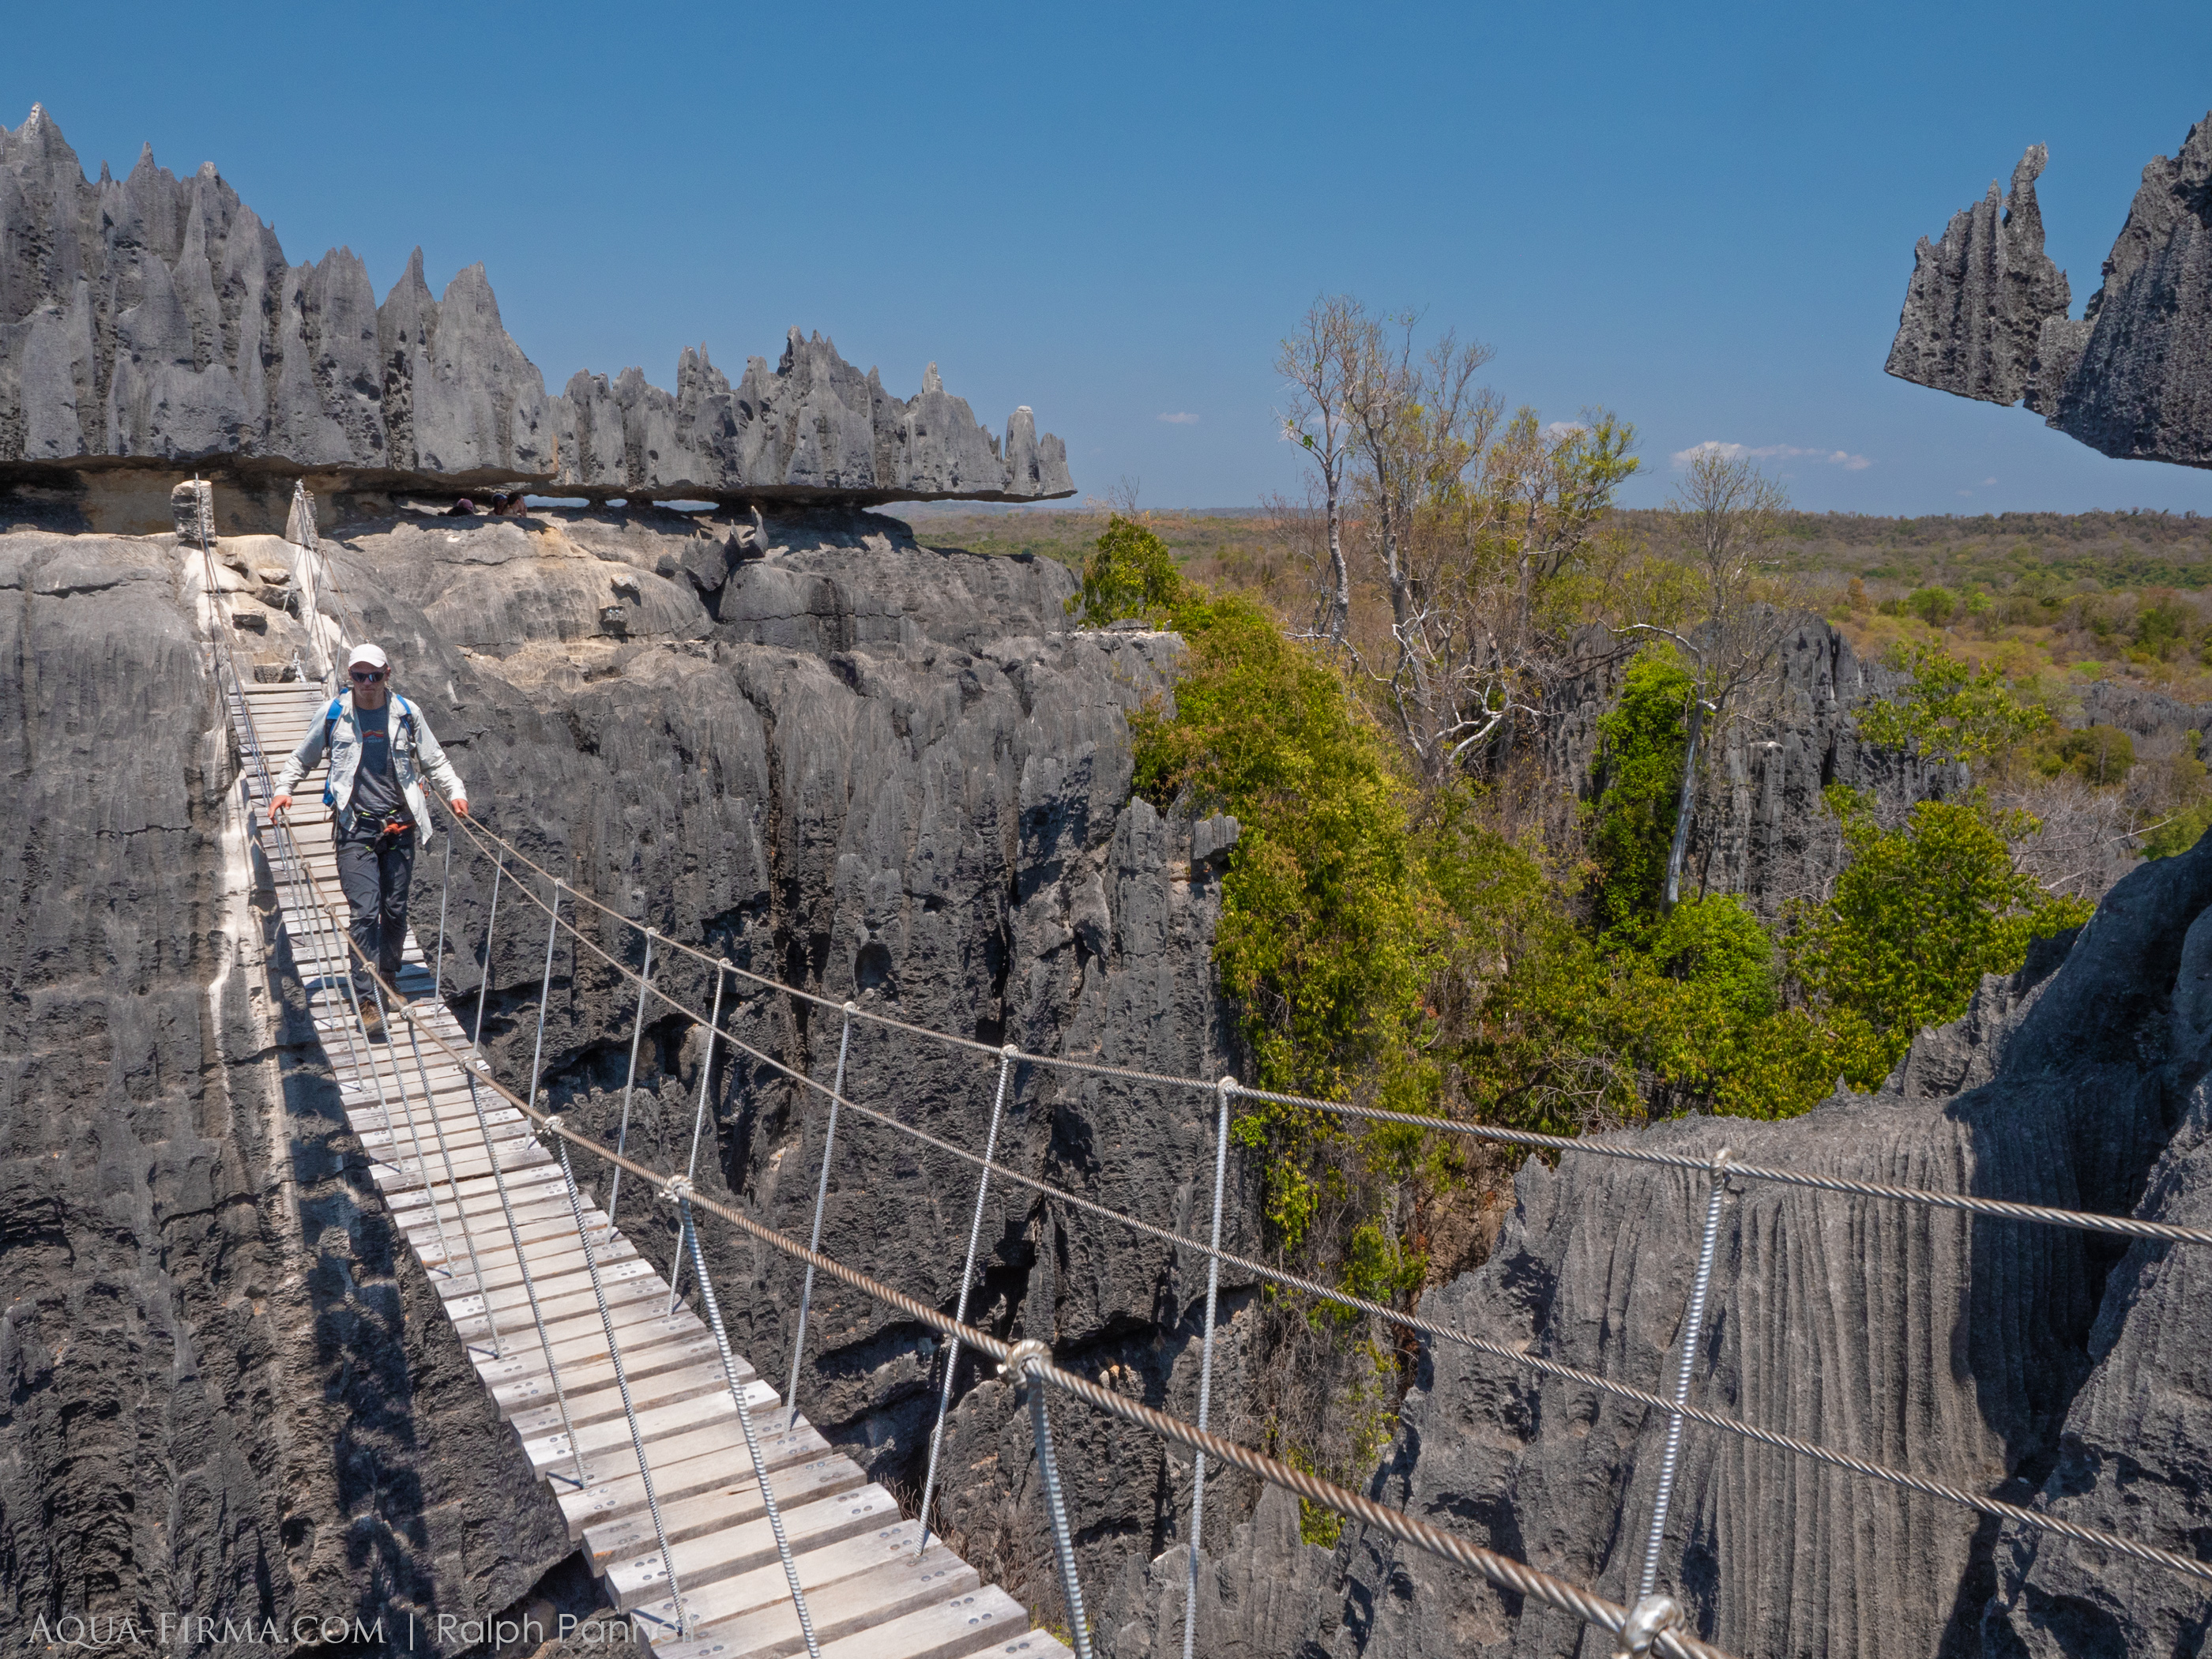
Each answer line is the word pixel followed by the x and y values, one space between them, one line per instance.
pixel 2006 1209
pixel 1964 1498
pixel 1501 1570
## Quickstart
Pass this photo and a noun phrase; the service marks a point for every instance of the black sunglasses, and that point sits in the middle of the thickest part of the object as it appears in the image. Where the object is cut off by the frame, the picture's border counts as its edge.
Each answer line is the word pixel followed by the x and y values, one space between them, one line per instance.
pixel 371 678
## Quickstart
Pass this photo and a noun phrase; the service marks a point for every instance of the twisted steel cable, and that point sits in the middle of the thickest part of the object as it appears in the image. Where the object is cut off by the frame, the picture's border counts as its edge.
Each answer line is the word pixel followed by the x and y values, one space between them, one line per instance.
pixel 2049 1215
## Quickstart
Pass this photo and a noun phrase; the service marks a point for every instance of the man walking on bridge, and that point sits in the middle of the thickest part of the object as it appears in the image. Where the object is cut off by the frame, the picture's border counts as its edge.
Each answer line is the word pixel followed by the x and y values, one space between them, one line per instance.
pixel 380 747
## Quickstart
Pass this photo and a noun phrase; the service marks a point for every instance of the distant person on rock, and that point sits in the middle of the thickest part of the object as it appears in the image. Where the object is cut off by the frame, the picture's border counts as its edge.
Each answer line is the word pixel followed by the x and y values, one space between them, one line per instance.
pixel 464 508
pixel 380 747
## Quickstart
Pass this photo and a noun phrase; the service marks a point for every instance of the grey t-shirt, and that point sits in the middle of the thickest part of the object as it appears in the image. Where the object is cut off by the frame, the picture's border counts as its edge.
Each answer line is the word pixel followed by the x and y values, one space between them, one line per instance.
pixel 375 790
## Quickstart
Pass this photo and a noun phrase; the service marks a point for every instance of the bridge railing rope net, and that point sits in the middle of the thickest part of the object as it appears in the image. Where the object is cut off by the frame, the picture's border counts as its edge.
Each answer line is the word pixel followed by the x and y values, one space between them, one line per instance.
pixel 1720 1168
pixel 1676 1410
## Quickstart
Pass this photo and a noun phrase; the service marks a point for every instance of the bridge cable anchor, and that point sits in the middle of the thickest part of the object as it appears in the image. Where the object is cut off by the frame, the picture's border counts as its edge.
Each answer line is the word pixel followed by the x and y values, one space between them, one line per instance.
pixel 1647 1621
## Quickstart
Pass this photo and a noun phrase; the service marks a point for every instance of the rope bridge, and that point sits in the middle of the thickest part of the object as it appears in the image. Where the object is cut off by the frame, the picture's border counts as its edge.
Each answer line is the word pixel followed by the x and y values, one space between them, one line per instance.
pixel 766 1541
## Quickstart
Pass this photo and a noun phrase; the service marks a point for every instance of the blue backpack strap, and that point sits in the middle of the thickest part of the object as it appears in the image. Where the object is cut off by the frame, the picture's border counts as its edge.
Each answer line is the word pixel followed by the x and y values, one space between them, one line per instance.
pixel 331 720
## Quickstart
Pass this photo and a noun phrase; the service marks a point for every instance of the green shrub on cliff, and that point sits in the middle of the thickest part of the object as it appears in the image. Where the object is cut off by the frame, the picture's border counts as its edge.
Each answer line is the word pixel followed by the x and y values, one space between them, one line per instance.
pixel 1385 943
pixel 1640 760
pixel 1920 912
pixel 1322 939
pixel 1129 572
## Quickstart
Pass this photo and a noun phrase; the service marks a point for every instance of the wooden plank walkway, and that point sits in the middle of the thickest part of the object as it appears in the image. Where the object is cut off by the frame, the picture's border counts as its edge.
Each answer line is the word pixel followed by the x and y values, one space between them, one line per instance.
pixel 868 1592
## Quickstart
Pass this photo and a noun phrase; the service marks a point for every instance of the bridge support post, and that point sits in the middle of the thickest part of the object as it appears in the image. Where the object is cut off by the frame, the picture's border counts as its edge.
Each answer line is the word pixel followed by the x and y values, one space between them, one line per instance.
pixel 622 1383
pixel 699 1117
pixel 629 1082
pixel 821 1198
pixel 446 1156
pixel 967 1278
pixel 1021 1363
pixel 1223 1091
pixel 1693 1322
pixel 484 985
pixel 691 1240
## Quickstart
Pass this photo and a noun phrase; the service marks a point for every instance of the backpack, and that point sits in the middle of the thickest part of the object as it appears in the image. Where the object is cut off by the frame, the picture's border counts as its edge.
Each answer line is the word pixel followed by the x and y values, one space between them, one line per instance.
pixel 337 705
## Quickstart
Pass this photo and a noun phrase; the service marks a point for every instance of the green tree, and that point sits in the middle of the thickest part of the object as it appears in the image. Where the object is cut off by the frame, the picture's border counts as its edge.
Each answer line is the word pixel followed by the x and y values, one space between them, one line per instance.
pixel 1726 512
pixel 1919 915
pixel 1949 710
pixel 2099 755
pixel 1641 743
pixel 1933 606
pixel 1325 931
pixel 1130 572
pixel 2162 624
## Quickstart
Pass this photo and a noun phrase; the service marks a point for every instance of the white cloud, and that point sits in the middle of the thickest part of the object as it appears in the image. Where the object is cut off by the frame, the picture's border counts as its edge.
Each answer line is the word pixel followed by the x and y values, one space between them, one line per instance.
pixel 1842 458
pixel 1558 429
pixel 1182 418
pixel 1986 482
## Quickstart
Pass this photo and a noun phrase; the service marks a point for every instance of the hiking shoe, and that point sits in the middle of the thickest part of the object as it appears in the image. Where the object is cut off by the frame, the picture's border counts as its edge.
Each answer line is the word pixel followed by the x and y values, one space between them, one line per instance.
pixel 372 1020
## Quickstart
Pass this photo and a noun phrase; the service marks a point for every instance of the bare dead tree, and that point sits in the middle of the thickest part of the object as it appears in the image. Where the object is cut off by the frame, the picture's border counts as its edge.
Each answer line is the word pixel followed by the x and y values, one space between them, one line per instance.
pixel 1475 521
pixel 1317 362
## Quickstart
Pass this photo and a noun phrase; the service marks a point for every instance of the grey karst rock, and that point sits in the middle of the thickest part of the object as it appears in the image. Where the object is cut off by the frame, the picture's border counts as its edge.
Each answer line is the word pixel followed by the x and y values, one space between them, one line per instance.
pixel 1975 309
pixel 224 1393
pixel 910 788
pixel 1761 827
pixel 1985 315
pixel 156 321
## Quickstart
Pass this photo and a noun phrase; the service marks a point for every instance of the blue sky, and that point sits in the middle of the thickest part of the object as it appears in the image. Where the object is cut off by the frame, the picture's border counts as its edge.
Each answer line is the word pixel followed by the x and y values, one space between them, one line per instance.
pixel 1702 218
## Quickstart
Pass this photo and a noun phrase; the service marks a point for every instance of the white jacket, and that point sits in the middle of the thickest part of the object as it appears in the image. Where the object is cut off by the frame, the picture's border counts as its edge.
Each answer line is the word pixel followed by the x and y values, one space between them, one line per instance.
pixel 415 752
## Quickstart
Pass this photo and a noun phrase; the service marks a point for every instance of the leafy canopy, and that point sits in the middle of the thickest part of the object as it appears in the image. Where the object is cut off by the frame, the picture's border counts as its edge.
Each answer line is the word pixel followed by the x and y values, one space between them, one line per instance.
pixel 1641 743
pixel 1948 711
pixel 1920 914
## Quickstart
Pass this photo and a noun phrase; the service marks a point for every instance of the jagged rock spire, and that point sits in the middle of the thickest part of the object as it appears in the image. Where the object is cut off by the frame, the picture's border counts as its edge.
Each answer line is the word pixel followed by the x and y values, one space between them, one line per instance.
pixel 1986 316
pixel 156 317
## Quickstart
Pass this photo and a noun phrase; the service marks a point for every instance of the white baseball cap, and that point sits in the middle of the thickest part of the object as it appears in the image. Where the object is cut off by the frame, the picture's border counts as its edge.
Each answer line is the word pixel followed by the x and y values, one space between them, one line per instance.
pixel 368 655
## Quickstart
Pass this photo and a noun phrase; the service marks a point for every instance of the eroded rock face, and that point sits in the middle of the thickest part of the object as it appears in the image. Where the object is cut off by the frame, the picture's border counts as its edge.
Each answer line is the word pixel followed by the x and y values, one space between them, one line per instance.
pixel 223 1395
pixel 820 749
pixel 1985 315
pixel 1762 828
pixel 155 320
pixel 1974 313
pixel 2035 1365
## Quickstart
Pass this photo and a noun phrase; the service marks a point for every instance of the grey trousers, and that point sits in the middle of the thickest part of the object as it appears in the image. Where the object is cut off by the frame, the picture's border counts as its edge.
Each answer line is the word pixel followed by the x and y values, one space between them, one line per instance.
pixel 375 873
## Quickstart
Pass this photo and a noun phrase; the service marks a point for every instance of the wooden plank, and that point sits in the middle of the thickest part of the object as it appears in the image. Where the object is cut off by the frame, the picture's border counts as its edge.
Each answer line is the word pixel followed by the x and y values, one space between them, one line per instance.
pixel 389 1175
pixel 711 1557
pixel 597 1404
pixel 468 1317
pixel 637 1327
pixel 980 1622
pixel 502 1269
pixel 682 1464
pixel 725 1505
pixel 649 1341
pixel 530 1390
pixel 660 1423
pixel 850 1586
pixel 681 1471
pixel 559 1283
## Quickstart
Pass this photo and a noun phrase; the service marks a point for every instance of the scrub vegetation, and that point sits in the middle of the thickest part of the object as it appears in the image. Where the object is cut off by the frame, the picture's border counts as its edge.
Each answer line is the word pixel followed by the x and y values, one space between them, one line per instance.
pixel 1428 912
